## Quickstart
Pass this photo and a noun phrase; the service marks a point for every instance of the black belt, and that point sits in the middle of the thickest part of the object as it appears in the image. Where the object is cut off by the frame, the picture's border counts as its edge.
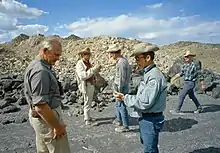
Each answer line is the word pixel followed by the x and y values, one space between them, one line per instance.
pixel 189 80
pixel 152 114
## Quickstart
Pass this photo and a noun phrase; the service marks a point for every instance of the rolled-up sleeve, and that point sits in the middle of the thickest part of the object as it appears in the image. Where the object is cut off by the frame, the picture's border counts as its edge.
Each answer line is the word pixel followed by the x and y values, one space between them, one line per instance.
pixel 146 96
pixel 40 84
pixel 199 71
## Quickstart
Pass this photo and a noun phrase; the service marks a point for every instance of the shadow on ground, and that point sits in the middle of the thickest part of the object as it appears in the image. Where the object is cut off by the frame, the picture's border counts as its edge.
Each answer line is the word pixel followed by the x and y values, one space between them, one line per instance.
pixel 178 124
pixel 105 120
pixel 211 108
pixel 206 108
pixel 109 120
pixel 207 150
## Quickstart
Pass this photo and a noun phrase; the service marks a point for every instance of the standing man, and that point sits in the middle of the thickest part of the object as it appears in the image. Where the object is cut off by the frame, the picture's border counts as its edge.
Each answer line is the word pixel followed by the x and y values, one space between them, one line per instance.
pixel 191 72
pixel 150 100
pixel 120 84
pixel 85 75
pixel 43 95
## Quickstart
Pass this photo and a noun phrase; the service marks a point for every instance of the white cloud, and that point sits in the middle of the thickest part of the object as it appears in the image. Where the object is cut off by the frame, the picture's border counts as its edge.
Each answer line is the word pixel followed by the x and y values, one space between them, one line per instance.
pixel 29 30
pixel 18 10
pixel 11 12
pixel 162 31
pixel 59 27
pixel 3 35
pixel 154 6
pixel 182 10
pixel 7 23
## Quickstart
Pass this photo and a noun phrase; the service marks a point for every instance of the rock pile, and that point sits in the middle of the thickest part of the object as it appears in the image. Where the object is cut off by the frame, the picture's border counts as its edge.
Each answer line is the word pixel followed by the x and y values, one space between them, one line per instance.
pixel 16 55
pixel 12 99
pixel 23 49
pixel 11 96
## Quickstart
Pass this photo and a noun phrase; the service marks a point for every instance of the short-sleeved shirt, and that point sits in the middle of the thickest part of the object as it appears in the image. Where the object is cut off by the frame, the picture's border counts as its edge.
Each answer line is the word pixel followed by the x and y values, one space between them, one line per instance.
pixel 40 84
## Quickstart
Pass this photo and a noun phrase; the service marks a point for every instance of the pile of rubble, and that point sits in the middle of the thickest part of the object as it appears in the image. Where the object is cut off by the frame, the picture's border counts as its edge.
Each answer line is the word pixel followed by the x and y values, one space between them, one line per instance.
pixel 16 55
pixel 12 99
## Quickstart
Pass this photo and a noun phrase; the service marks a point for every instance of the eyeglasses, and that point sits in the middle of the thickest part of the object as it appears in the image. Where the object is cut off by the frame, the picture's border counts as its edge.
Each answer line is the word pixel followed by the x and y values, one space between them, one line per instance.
pixel 137 58
pixel 186 56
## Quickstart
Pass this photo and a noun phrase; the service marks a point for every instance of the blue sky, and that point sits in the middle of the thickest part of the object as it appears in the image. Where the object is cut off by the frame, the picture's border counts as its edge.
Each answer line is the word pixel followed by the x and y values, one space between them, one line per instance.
pixel 157 21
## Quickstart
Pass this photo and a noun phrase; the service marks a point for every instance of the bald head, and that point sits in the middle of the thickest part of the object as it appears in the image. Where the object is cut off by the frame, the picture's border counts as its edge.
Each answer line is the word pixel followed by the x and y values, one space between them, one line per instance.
pixel 50 44
pixel 51 51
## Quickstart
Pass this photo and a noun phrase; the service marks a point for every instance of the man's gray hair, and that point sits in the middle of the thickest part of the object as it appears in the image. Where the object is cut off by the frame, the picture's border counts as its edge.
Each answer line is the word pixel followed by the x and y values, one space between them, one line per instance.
pixel 49 43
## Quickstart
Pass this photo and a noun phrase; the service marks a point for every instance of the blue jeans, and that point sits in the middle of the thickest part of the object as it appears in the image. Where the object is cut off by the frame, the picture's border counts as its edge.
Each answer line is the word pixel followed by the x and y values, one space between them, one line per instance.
pixel 188 89
pixel 150 126
pixel 121 110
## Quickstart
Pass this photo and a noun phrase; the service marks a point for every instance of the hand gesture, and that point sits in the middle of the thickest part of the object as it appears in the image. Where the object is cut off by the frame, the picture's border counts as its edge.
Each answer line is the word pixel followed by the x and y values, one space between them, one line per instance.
pixel 119 96
pixel 98 67
pixel 203 87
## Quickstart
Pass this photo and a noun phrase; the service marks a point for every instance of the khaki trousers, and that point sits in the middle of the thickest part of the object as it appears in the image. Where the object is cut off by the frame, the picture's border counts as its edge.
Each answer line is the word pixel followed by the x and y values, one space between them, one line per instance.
pixel 88 97
pixel 44 135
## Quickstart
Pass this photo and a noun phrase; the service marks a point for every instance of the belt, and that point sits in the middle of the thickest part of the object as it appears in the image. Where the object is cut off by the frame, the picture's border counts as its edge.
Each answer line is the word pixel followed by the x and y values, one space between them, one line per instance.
pixel 189 80
pixel 152 114
pixel 34 114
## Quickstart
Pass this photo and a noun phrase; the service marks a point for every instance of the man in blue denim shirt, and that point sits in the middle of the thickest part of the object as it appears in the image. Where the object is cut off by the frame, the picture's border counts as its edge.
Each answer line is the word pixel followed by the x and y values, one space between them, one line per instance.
pixel 191 72
pixel 120 84
pixel 150 100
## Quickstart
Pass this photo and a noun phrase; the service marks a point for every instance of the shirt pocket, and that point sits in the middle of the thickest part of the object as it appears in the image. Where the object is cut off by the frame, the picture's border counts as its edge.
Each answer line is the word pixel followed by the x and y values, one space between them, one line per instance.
pixel 141 87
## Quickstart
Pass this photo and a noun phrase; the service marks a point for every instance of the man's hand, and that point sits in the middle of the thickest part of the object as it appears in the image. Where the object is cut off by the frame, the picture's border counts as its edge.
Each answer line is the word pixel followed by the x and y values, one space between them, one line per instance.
pixel 203 85
pixel 49 117
pixel 119 96
pixel 98 67
pixel 59 132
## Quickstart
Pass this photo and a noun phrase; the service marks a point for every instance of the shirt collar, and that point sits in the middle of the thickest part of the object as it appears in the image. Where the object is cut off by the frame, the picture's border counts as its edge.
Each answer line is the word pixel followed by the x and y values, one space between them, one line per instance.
pixel 44 62
pixel 119 59
pixel 148 68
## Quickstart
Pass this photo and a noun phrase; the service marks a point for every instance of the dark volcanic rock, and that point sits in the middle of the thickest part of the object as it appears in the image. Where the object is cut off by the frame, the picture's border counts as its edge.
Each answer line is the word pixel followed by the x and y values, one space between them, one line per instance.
pixel 10 99
pixel 4 104
pixel 22 101
pixel 10 109
pixel 216 92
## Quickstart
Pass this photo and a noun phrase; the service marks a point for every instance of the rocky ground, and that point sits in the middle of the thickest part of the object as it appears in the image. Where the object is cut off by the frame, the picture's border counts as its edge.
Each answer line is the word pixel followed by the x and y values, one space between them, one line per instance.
pixel 187 133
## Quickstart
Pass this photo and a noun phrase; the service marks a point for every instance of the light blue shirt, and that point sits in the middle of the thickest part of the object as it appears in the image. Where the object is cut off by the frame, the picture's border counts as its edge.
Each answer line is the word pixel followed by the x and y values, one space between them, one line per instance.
pixel 151 94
